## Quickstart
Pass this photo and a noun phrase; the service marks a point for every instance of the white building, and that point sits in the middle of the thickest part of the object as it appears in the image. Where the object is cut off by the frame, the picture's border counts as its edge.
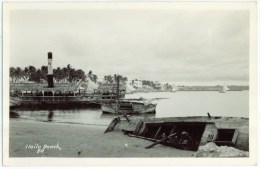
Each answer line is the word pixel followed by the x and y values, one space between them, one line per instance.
pixel 147 87
pixel 157 85
pixel 138 84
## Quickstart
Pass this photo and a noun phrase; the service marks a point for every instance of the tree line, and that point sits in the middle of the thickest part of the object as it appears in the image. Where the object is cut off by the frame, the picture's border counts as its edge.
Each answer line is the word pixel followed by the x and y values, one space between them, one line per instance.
pixel 111 79
pixel 68 74
pixel 61 75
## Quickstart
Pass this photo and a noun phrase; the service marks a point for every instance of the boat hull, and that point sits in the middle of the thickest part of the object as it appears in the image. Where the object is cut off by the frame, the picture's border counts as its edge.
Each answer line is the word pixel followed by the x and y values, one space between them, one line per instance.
pixel 135 109
pixel 189 133
pixel 58 101
pixel 14 102
pixel 52 102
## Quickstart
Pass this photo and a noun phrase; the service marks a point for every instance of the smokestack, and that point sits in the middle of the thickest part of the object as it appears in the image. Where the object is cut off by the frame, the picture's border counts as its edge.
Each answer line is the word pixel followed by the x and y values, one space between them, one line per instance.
pixel 50 71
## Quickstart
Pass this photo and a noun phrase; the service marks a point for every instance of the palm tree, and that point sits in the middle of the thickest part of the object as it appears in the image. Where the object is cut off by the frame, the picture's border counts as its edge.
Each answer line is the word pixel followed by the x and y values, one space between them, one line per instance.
pixel 12 73
pixel 95 78
pixel 58 74
pixel 44 72
pixel 18 72
pixel 73 75
pixel 32 69
pixel 90 75
pixel 32 73
pixel 68 68
pixel 109 79
pixel 26 72
pixel 64 73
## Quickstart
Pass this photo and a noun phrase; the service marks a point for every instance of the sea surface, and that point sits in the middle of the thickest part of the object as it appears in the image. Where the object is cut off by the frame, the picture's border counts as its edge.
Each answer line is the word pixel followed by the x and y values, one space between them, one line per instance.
pixel 169 104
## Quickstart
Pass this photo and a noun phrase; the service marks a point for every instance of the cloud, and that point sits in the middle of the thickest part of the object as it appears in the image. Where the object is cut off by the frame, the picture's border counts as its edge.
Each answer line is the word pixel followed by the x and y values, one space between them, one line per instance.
pixel 164 45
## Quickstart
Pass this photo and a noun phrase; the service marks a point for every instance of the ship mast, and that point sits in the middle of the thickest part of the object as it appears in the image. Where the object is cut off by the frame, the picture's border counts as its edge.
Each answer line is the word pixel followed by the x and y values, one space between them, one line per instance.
pixel 117 101
pixel 117 93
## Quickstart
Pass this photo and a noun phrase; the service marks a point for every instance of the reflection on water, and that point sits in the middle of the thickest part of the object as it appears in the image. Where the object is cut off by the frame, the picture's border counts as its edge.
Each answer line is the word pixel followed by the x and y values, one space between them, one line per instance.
pixel 86 116
pixel 198 103
pixel 234 104
pixel 50 116
pixel 81 116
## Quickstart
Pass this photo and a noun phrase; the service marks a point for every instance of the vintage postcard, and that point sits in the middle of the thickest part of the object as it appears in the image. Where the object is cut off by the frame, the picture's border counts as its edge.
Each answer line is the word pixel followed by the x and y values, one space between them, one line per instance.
pixel 130 83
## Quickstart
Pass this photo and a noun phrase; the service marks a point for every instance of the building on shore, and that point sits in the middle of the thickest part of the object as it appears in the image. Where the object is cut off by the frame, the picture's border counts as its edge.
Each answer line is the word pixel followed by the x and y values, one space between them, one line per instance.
pixel 137 84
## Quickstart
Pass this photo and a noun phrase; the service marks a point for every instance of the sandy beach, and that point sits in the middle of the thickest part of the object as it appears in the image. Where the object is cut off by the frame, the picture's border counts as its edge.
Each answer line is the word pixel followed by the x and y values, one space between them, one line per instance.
pixel 48 139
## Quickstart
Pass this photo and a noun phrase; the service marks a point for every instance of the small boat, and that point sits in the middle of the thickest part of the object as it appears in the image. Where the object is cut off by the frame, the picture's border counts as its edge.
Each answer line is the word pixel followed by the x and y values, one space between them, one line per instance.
pixel 187 133
pixel 224 89
pixel 129 106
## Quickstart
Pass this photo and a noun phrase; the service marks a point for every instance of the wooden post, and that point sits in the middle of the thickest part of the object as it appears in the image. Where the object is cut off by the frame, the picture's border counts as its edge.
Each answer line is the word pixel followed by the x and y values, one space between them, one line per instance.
pixel 117 94
pixel 128 120
pixel 117 91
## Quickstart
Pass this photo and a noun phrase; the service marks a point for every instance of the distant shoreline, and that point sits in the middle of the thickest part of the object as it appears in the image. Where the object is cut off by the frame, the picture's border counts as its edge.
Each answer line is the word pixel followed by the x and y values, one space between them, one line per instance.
pixel 185 91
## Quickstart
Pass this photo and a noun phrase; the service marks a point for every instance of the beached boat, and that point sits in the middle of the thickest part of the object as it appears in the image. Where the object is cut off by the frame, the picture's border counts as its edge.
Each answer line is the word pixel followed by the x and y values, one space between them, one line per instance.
pixel 129 106
pixel 187 132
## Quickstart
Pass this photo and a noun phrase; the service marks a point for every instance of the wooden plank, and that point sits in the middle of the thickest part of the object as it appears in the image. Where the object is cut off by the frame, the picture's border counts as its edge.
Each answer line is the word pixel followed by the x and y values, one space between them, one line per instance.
pixel 112 125
pixel 158 131
pixel 173 128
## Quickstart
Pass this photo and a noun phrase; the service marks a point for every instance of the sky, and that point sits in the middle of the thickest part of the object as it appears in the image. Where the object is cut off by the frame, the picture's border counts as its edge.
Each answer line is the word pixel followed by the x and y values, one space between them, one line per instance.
pixel 178 46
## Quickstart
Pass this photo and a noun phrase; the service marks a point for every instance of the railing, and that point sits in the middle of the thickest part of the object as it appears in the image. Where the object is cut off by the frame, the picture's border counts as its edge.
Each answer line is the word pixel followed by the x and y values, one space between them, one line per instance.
pixel 68 98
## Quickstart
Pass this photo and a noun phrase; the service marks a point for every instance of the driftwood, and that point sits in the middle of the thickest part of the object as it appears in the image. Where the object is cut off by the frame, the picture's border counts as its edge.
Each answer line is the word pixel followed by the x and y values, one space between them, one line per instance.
pixel 125 115
pixel 112 125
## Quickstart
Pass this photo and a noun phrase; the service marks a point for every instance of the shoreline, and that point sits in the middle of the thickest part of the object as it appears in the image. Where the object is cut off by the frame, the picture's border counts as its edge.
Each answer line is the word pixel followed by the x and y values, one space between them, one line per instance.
pixel 77 140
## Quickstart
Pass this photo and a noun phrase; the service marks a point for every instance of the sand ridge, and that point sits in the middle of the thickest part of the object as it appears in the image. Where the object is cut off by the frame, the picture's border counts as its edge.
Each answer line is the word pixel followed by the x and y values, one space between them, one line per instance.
pixel 79 141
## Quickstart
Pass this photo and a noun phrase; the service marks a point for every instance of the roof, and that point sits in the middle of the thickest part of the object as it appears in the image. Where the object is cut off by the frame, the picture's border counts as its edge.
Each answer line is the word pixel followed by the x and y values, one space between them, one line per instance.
pixel 111 87
pixel 42 87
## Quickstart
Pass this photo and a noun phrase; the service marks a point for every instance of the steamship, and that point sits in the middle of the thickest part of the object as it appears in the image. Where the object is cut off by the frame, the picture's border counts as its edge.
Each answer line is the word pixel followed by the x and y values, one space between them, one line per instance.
pixel 64 95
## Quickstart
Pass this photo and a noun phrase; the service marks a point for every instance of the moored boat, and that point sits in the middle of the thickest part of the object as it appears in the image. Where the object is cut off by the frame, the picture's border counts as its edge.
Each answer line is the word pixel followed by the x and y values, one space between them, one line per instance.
pixel 128 107
pixel 223 89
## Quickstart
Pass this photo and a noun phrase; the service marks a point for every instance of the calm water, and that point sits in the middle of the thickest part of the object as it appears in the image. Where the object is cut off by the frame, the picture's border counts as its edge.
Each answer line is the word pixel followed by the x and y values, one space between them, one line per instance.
pixel 235 104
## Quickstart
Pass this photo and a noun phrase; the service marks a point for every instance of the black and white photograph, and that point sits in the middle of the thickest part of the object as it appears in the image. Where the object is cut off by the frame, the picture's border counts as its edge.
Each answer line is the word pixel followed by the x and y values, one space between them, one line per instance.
pixel 121 80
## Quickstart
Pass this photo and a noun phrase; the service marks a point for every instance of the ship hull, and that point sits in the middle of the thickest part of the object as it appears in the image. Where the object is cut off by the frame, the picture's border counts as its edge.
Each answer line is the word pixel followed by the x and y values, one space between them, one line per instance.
pixel 14 102
pixel 53 102
pixel 188 133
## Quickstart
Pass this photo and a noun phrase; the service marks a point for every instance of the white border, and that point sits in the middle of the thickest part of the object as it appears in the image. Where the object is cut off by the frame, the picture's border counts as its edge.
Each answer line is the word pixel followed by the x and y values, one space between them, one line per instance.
pixel 252 160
